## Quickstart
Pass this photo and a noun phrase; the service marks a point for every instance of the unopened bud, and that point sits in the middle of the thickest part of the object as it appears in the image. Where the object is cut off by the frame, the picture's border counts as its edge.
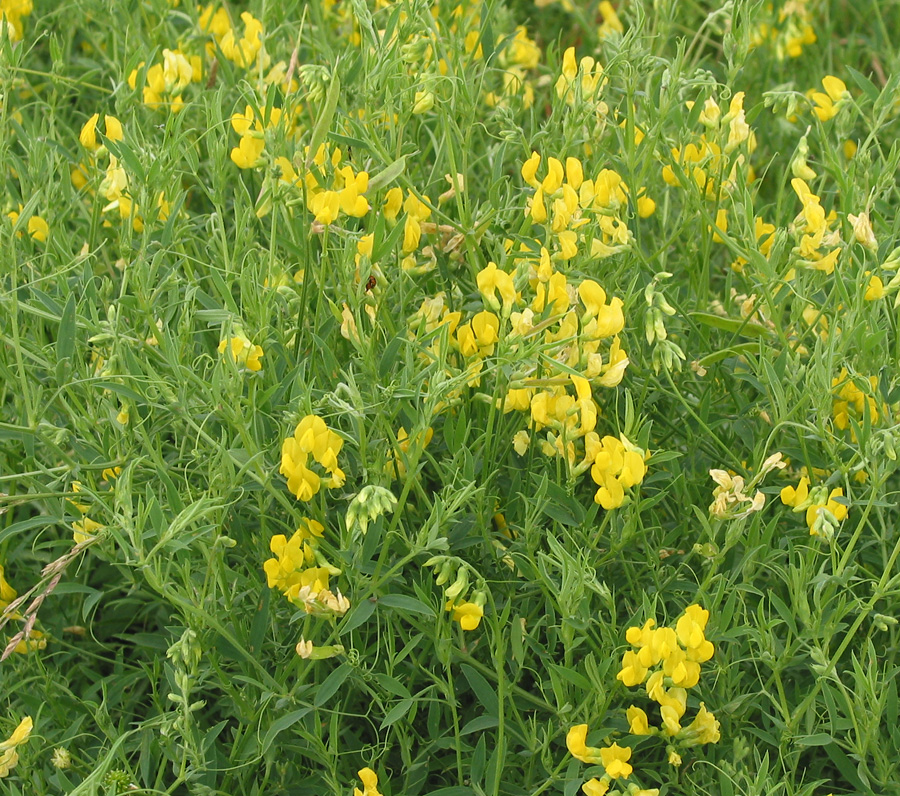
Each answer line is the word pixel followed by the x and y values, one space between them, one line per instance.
pixel 459 585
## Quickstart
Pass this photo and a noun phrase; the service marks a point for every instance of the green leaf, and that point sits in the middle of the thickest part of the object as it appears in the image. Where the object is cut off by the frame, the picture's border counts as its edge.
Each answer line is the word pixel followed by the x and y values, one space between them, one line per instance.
pixel 480 724
pixel 483 690
pixel 390 356
pixel 403 603
pixel 572 676
pixel 280 725
pixel 733 325
pixel 331 684
pixel 731 351
pixel 392 686
pixel 867 86
pixel 65 341
pixel 819 739
pixel 397 712
pixel 561 507
pixel 358 616
pixel 26 525
pixel 260 622
pixel 325 118
pixel 119 389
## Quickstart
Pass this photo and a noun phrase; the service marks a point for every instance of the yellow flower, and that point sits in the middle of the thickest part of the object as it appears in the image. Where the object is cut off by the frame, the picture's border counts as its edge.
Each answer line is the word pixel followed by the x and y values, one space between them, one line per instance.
pixel 689 630
pixel 292 555
pixel 796 497
pixel 393 202
pixel 11 13
pixel 423 102
pixel 215 23
pixel 370 783
pixel 591 78
pixel 311 438
pixel 468 614
pixel 874 290
pixel 703 729
pixel 638 723
pixel 633 671
pixel 529 170
pixel 243 51
pixel 478 337
pixel 616 467
pixel 20 734
pixel 490 280
pixel 863 232
pixel 611 22
pixel 521 442
pixel 832 507
pixel 85 529
pixel 248 153
pixel 827 104
pixel 595 787
pixel 38 228
pixel 615 761
pixel 8 755
pixel 243 352
pixel 575 743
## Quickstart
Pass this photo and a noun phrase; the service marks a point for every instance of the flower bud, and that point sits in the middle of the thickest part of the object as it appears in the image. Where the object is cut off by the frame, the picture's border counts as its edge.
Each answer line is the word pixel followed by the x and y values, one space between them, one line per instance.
pixel 459 585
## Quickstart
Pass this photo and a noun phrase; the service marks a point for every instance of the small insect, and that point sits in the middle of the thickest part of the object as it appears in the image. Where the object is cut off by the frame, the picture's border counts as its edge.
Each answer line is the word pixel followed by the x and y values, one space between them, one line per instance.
pixel 371 282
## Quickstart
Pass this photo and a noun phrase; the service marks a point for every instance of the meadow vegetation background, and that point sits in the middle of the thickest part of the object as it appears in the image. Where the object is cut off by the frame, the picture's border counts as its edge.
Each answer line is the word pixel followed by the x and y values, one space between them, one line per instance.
pixel 459 398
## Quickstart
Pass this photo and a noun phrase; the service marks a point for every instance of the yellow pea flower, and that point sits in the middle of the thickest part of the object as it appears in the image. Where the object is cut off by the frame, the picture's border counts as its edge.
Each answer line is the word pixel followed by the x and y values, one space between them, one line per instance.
pixel 827 105
pixel 370 783
pixel 615 761
pixel 575 743
pixel 243 352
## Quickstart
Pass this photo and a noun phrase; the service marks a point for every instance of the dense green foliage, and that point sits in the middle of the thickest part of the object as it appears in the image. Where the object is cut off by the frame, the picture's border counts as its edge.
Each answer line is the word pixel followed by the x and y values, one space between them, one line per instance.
pixel 533 349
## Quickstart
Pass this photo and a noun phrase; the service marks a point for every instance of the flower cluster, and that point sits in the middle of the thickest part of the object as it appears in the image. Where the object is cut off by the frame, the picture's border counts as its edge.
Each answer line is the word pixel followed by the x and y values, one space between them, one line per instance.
pixel 416 213
pixel 468 611
pixel 301 573
pixel 240 47
pixel 729 499
pixel 850 403
pixel 587 89
pixel 668 659
pixel 165 82
pixel 617 465
pixel 252 127
pixel 552 332
pixel 343 193
pixel 85 528
pixel 812 228
pixel 824 510
pixel 520 55
pixel 114 187
pixel 311 438
pixel 709 162
pixel 8 754
pixel 786 31
pixel 574 209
